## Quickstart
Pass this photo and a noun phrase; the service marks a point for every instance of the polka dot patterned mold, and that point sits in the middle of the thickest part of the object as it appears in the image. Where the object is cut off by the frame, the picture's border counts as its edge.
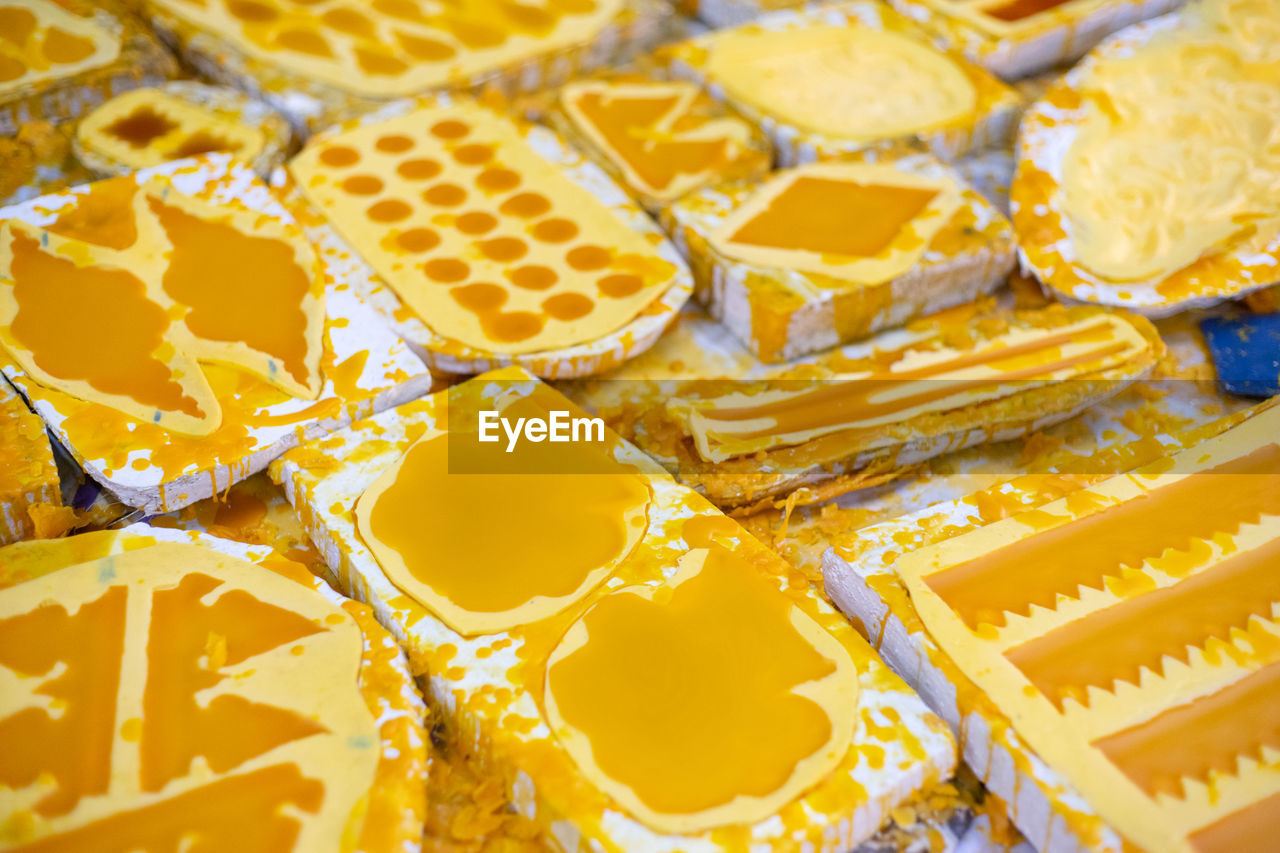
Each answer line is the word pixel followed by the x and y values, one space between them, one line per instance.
pixel 363 367
pixel 326 60
pixel 493 243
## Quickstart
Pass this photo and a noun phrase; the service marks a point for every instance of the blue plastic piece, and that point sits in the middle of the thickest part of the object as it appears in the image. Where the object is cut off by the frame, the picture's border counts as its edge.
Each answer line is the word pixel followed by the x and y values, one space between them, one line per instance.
pixel 1246 352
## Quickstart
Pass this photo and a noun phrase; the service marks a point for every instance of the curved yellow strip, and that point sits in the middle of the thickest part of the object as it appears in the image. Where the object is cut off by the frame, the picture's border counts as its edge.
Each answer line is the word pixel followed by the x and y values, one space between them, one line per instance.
pixel 707 701
pixel 916 384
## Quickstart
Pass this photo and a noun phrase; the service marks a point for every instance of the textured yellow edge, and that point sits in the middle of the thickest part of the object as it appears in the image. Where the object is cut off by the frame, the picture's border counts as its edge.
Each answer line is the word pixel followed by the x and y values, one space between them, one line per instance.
pixel 971 702
pixel 488 722
pixel 188 117
pixel 858 309
pixel 395 808
pixel 991 122
pixel 28 475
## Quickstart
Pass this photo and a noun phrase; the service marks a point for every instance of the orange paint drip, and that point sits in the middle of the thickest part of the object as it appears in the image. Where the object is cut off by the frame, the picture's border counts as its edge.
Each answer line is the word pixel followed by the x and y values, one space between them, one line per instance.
pixel 701 531
pixel 249 271
pixel 670 690
pixel 345 375
pixel 833 217
pixel 227 730
pixel 1083 552
pixel 1204 736
pixel 74 747
pixel 855 401
pixel 1116 643
pixel 241 510
pixel 95 325
pixel 248 814
pixel 319 410
pixel 627 124
pixel 102 216
pixel 1254 827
